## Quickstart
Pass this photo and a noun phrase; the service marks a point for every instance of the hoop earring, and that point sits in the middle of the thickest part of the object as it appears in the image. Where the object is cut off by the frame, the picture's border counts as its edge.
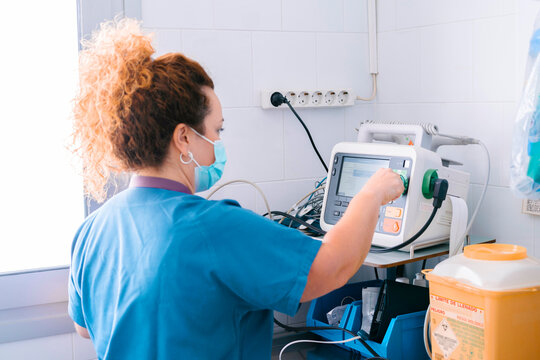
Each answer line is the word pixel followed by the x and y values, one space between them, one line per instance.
pixel 190 158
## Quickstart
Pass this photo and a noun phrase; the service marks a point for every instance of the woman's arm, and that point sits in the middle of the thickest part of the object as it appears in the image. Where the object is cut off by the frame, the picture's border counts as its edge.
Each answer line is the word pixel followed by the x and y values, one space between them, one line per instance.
pixel 346 245
pixel 81 331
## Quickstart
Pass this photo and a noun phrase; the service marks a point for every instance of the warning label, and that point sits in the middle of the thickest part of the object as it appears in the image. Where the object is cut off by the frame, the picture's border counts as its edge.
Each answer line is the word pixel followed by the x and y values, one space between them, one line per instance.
pixel 458 329
pixel 445 338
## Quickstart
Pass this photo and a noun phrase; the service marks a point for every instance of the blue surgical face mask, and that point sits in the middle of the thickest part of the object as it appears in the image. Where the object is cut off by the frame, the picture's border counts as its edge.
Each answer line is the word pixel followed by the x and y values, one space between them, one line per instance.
pixel 207 176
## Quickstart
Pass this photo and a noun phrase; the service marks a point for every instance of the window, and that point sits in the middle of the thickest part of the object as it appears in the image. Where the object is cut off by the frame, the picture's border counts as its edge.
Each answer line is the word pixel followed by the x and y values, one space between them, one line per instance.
pixel 41 198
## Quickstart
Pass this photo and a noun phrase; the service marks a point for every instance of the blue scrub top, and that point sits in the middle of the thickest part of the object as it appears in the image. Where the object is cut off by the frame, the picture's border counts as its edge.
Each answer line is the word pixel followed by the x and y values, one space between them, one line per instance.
pixel 161 274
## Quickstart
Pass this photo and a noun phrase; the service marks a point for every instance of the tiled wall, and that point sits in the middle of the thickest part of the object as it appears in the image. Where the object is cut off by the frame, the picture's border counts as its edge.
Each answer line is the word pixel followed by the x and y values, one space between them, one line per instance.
pixel 247 46
pixel 59 347
pixel 458 64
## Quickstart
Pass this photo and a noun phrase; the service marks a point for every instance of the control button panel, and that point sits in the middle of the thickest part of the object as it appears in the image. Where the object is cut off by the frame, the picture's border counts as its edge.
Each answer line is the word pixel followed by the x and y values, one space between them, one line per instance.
pixel 348 175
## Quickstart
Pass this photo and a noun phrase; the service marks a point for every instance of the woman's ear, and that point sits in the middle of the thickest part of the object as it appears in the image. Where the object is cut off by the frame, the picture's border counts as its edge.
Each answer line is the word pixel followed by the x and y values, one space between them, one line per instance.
pixel 180 139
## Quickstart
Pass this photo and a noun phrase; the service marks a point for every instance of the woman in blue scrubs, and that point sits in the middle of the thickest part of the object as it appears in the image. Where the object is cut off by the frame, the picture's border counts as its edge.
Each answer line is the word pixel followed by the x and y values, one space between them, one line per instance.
pixel 158 272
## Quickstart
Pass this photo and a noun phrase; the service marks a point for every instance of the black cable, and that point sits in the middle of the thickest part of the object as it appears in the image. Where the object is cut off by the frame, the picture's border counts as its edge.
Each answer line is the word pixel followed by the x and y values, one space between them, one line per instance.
pixel 439 190
pixel 312 328
pixel 299 221
pixel 414 237
pixel 376 273
pixel 308 134
pixel 424 264
pixel 277 99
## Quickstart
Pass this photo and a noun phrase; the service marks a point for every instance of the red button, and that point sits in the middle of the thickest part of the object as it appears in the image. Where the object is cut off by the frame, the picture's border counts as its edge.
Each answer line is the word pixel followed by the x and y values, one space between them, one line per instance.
pixel 391 225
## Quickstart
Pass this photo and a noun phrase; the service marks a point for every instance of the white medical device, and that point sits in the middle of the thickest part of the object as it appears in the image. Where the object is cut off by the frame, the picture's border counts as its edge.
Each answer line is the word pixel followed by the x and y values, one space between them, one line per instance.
pixel 352 164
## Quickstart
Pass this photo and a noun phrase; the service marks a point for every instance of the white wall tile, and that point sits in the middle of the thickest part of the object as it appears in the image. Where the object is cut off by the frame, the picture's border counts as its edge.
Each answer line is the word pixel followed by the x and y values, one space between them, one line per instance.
pixel 500 216
pixel 416 13
pixel 247 15
pixel 226 55
pixel 243 193
pixel 355 16
pixel 254 143
pixel 342 62
pixel 527 12
pixel 386 15
pixel 166 41
pixel 83 349
pixel 509 7
pixel 459 10
pixel 446 63
pixel 354 116
pixel 177 14
pixel 536 243
pixel 482 121
pixel 409 113
pixel 312 15
pixel 58 347
pixel 327 127
pixel 399 67
pixel 284 60
pixel 283 194
pixel 509 111
pixel 494 59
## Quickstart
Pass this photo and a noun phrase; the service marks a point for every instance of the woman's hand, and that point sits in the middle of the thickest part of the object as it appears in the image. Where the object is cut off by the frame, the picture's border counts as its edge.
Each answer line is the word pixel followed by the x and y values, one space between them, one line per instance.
pixel 385 185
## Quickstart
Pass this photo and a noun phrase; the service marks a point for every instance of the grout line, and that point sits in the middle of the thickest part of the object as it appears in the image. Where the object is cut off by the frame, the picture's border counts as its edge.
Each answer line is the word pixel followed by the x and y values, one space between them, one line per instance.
pixel 447 102
pixel 448 22
pixel 72 347
pixel 283 144
pixel 491 185
pixel 258 30
pixel 281 16
pixel 252 100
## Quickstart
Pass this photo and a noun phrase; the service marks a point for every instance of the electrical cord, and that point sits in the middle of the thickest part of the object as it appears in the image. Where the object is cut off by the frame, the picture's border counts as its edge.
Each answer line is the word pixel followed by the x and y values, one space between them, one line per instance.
pixel 373 93
pixel 277 99
pixel 299 221
pixel 246 182
pixel 439 195
pixel 473 217
pixel 312 328
pixel 413 238
pixel 317 342
pixel 302 199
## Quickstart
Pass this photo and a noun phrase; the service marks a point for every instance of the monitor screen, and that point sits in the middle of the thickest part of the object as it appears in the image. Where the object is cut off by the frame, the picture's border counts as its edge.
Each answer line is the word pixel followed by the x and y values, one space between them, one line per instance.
pixel 356 171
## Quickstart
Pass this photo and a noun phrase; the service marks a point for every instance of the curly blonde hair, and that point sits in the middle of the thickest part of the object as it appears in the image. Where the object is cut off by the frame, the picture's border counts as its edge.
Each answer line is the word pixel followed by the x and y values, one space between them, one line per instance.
pixel 128 104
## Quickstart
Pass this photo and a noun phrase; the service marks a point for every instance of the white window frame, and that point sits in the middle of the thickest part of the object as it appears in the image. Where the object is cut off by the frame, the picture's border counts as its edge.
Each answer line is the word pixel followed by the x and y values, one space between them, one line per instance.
pixel 33 303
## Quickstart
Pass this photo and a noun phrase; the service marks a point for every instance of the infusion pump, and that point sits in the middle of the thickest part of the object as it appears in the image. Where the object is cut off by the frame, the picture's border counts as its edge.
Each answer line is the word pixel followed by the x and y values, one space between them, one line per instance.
pixel 352 164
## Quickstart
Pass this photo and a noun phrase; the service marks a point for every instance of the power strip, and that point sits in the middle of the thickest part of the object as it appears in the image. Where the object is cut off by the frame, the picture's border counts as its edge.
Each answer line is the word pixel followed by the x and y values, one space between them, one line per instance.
pixel 323 98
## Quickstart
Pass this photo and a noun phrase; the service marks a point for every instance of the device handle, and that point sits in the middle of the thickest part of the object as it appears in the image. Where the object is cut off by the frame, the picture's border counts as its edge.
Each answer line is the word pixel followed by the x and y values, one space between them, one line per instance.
pixel 366 133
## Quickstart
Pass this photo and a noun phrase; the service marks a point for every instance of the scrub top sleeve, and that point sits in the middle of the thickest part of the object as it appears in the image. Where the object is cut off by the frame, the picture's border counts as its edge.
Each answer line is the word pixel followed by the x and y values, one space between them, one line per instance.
pixel 262 262
pixel 74 305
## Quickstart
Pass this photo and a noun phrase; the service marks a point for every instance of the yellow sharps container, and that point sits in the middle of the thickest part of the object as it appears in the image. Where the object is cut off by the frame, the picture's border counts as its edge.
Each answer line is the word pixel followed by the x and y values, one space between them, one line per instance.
pixel 485 304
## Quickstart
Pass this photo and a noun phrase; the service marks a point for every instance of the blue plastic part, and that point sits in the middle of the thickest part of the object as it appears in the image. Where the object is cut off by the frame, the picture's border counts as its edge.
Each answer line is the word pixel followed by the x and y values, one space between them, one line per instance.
pixel 534 44
pixel 403 339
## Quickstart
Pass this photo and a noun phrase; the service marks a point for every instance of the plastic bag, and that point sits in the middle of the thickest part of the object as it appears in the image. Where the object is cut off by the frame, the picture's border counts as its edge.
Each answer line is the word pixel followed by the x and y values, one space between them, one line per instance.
pixel 525 166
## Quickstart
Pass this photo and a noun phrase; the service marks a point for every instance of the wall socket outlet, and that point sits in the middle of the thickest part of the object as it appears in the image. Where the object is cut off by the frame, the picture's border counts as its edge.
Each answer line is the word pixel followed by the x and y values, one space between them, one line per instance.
pixel 323 98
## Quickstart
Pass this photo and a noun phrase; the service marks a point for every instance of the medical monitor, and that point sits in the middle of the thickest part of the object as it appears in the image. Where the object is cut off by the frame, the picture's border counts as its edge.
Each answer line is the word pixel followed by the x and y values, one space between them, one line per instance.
pixel 350 172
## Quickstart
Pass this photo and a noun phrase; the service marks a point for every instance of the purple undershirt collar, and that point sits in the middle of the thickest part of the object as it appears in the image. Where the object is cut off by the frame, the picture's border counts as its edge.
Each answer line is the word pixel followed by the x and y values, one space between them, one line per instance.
pixel 157 182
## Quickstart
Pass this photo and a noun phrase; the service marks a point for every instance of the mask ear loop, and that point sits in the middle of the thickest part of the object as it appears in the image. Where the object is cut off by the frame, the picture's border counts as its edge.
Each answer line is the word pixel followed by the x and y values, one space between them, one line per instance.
pixel 191 159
